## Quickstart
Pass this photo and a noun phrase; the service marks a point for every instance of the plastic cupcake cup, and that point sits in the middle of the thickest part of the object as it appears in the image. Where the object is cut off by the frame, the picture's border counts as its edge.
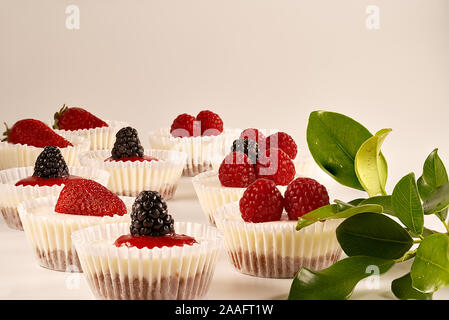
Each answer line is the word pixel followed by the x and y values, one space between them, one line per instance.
pixel 100 138
pixel 22 155
pixel 147 274
pixel 200 150
pixel 213 195
pixel 11 195
pixel 276 249
pixel 129 178
pixel 49 233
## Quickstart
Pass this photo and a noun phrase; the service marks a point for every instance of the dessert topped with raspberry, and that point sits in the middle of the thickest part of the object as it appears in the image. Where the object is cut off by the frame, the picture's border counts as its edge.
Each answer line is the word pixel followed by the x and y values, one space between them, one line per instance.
pixel 206 123
pixel 34 133
pixel 50 169
pixel 151 225
pixel 127 147
pixel 75 118
pixel 89 198
pixel 263 202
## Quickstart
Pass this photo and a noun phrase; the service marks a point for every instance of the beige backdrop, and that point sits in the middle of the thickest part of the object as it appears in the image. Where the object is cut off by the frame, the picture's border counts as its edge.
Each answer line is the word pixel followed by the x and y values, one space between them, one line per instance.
pixel 262 63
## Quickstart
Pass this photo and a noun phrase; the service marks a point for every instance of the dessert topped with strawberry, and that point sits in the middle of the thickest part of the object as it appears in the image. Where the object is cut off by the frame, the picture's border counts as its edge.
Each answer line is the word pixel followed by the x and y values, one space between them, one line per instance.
pixel 50 169
pixel 206 123
pixel 127 147
pixel 151 225
pixel 34 133
pixel 75 118
pixel 89 198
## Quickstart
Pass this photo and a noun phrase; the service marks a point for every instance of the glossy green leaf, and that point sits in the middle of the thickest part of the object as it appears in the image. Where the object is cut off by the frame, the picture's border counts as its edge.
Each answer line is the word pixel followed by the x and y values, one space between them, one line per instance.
pixel 437 200
pixel 407 204
pixel 430 269
pixel 331 214
pixel 434 175
pixel 375 235
pixel 333 141
pixel 384 201
pixel 402 288
pixel 336 282
pixel 370 165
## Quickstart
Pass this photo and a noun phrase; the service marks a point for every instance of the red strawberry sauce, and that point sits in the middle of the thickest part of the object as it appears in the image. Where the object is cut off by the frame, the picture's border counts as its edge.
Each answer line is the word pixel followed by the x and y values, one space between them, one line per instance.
pixel 41 182
pixel 133 159
pixel 170 240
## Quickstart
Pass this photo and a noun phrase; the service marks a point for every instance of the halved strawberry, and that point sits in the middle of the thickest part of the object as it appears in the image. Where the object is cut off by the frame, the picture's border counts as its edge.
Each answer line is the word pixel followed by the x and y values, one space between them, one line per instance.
pixel 89 198
pixel 75 118
pixel 34 133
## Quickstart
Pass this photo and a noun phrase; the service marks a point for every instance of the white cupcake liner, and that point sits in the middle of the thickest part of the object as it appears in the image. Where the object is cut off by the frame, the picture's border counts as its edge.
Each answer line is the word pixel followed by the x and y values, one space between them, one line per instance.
pixel 11 195
pixel 129 178
pixel 200 150
pixel 147 274
pixel 100 138
pixel 22 155
pixel 49 235
pixel 276 249
pixel 212 195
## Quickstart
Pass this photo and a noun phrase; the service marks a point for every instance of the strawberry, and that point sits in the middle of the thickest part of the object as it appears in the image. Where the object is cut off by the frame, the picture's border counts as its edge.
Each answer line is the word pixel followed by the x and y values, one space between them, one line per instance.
pixel 34 133
pixel 89 198
pixel 74 118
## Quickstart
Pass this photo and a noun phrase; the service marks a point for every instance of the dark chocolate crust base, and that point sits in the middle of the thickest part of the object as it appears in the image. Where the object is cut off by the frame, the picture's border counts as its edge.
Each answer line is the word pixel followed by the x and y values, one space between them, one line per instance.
pixel 59 260
pixel 110 287
pixel 12 218
pixel 194 169
pixel 166 192
pixel 281 267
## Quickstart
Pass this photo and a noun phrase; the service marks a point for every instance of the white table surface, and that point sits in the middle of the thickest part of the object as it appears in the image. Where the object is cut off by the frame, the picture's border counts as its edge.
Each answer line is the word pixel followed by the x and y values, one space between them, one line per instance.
pixel 22 278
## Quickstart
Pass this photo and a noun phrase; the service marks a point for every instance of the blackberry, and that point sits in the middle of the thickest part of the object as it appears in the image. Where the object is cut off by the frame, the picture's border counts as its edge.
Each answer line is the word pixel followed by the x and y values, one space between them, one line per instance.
pixel 50 164
pixel 149 216
pixel 248 147
pixel 127 144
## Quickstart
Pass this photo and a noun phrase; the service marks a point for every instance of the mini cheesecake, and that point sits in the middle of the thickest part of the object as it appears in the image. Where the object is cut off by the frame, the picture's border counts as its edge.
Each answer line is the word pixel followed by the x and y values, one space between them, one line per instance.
pixel 79 122
pixel 146 259
pixel 47 178
pixel 275 249
pixel 49 231
pixel 134 169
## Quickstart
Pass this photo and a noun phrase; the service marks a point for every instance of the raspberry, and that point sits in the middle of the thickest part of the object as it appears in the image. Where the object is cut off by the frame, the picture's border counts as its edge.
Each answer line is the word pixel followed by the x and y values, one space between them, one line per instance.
pixel 183 126
pixel 211 123
pixel 253 134
pixel 261 202
pixel 236 171
pixel 304 195
pixel 276 165
pixel 284 142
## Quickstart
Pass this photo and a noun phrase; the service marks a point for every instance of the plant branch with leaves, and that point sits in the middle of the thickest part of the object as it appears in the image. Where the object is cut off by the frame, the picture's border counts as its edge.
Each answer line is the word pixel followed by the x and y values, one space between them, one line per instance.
pixel 351 155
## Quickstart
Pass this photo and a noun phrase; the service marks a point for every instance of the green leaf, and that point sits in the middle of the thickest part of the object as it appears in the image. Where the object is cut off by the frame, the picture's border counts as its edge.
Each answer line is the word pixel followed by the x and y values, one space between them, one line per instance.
pixel 434 175
pixel 336 282
pixel 333 141
pixel 384 201
pixel 402 288
pixel 327 213
pixel 407 204
pixel 438 200
pixel 430 269
pixel 374 235
pixel 371 166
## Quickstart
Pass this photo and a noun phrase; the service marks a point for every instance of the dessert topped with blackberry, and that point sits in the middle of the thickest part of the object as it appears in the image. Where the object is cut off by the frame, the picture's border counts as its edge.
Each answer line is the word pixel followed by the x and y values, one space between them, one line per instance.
pixel 127 147
pixel 50 169
pixel 151 225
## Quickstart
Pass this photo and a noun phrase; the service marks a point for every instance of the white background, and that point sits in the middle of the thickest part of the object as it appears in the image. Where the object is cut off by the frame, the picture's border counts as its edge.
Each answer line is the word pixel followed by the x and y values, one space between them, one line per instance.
pixel 258 63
